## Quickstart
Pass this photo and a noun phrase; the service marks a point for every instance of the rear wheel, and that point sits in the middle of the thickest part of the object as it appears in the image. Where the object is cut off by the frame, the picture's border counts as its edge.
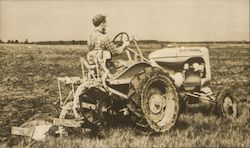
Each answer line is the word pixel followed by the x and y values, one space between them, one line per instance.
pixel 153 100
pixel 92 118
pixel 67 113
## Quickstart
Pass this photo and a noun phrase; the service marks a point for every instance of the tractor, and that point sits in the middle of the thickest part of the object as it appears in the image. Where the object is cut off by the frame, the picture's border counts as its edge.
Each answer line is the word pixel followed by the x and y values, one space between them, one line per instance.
pixel 150 91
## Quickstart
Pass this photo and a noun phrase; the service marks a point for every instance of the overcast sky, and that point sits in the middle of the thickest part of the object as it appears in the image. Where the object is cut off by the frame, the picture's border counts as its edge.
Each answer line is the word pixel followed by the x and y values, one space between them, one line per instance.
pixel 168 20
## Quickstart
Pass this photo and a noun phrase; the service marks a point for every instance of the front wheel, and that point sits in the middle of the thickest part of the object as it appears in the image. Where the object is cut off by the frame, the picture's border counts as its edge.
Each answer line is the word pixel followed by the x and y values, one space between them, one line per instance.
pixel 226 104
pixel 153 99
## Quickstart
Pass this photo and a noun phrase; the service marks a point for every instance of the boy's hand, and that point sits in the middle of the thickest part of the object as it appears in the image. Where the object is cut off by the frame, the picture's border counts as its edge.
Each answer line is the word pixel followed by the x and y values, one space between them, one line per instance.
pixel 121 49
pixel 126 44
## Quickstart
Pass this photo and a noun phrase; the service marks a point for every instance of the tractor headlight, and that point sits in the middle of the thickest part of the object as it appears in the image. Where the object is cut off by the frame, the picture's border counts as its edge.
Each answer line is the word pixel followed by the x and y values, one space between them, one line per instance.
pixel 196 66
pixel 186 66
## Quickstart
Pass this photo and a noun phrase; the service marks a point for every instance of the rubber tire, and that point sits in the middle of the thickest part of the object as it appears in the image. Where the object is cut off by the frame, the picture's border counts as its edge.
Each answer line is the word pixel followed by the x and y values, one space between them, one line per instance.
pixel 67 113
pixel 218 108
pixel 97 124
pixel 136 88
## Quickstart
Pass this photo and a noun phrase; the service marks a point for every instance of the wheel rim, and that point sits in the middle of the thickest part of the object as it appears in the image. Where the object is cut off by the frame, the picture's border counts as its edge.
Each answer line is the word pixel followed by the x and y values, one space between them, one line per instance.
pixel 229 107
pixel 67 113
pixel 160 104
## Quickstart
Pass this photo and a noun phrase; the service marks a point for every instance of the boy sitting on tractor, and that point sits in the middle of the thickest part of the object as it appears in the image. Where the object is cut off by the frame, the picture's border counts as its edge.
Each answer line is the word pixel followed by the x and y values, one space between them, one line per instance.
pixel 99 40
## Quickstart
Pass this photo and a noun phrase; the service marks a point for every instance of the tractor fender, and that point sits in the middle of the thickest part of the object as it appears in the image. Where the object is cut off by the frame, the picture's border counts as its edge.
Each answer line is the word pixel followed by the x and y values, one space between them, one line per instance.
pixel 126 76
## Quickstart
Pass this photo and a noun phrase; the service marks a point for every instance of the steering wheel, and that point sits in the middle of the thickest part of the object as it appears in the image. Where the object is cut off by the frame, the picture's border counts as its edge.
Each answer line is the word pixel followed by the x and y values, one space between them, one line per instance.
pixel 121 36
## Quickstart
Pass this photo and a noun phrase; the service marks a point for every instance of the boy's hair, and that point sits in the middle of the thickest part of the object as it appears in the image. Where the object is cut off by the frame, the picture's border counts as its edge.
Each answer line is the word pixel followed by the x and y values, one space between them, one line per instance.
pixel 98 19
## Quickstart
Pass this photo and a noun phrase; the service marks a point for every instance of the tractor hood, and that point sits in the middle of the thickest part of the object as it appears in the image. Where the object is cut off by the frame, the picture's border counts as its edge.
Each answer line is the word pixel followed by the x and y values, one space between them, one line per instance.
pixel 177 55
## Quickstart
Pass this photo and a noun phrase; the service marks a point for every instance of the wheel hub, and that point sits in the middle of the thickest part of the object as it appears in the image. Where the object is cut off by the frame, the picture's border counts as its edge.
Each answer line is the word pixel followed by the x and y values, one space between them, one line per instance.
pixel 156 103
pixel 229 107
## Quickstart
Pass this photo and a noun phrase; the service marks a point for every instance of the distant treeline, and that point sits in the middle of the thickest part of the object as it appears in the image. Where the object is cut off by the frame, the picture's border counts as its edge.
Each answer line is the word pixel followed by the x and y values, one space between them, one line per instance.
pixel 140 42
pixel 15 42
pixel 73 42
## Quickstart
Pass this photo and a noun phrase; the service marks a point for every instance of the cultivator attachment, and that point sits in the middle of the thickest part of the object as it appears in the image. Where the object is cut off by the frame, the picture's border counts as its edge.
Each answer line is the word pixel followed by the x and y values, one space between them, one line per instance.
pixel 68 122
pixel 36 129
pixel 70 115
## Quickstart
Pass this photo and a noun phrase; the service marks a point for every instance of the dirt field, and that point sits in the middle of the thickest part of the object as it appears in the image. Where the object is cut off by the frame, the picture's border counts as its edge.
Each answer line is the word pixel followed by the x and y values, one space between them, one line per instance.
pixel 28 90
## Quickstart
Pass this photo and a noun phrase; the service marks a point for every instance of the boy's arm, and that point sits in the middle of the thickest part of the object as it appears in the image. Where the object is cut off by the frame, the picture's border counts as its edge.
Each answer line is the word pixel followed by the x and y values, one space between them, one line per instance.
pixel 111 47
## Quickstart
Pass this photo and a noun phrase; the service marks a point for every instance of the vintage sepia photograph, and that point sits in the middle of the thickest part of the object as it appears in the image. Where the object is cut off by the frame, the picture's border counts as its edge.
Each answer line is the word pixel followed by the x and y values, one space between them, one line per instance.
pixel 124 73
